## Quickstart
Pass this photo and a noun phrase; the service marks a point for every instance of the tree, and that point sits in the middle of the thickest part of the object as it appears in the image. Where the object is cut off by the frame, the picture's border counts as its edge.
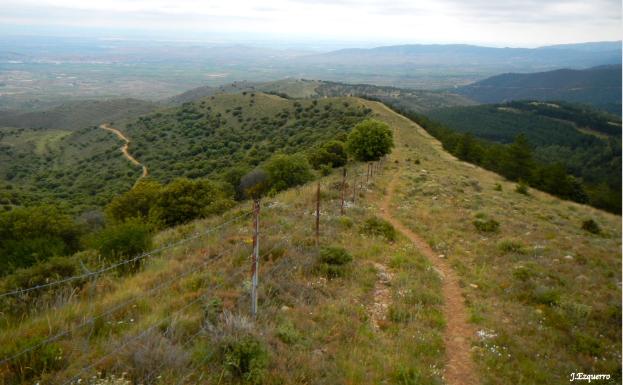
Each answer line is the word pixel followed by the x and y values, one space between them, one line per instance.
pixel 234 176
pixel 184 200
pixel 136 203
pixel 370 140
pixel 255 184
pixel 518 160
pixel 285 171
pixel 126 239
pixel 33 234
pixel 331 153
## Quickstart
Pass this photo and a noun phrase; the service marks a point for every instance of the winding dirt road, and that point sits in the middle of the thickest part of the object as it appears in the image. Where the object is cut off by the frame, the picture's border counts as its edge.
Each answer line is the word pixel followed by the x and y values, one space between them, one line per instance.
pixel 460 368
pixel 124 148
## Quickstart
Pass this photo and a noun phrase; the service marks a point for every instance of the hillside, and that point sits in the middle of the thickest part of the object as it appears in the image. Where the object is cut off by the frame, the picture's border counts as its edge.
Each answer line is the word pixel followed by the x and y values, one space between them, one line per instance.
pixel 81 166
pixel 76 115
pixel 541 296
pixel 586 143
pixel 206 137
pixel 417 100
pixel 597 86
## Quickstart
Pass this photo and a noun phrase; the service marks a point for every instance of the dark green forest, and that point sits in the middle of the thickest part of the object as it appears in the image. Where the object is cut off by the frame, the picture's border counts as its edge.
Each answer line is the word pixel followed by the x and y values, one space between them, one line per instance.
pixel 543 152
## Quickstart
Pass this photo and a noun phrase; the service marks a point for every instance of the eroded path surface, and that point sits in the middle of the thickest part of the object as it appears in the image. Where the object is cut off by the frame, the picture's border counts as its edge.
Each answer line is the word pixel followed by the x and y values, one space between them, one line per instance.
pixel 460 369
pixel 124 149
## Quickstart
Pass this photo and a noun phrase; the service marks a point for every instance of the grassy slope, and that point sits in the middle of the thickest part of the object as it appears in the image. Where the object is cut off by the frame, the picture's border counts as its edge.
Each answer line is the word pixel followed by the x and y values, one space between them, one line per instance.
pixel 317 331
pixel 530 341
pixel 326 323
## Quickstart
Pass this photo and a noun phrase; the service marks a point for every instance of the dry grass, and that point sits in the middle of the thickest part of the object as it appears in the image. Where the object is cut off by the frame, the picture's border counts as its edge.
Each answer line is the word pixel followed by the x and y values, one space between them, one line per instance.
pixel 543 293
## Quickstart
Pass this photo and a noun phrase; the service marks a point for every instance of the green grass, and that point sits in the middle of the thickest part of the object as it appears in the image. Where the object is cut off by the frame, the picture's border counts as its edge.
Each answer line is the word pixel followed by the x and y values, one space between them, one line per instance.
pixel 306 324
pixel 543 293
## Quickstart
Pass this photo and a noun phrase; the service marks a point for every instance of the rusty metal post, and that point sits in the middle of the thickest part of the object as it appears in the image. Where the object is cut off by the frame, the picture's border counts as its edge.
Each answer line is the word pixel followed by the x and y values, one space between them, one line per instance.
pixel 256 256
pixel 318 214
pixel 343 190
pixel 354 186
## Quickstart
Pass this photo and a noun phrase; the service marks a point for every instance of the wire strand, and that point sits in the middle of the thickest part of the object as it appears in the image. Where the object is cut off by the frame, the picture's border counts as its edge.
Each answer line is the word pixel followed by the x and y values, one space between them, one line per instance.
pixel 124 262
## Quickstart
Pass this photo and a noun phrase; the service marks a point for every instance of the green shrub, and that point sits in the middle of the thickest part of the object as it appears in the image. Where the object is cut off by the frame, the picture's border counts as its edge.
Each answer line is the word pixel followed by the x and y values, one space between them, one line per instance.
pixel 346 222
pixel 486 225
pixel 287 333
pixel 285 171
pixel 245 358
pixel 53 269
pixel 34 234
pixel 136 203
pixel 545 295
pixel 331 154
pixel 335 256
pixel 497 187
pixel 123 240
pixel 591 226
pixel 325 169
pixel 379 228
pixel 370 140
pixel 333 260
pixel 511 246
pixel 522 188
pixel 184 200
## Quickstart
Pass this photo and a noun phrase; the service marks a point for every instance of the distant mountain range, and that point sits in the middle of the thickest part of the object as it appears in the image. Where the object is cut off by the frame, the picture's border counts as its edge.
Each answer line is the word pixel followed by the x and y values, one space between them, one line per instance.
pixel 597 86
pixel 463 55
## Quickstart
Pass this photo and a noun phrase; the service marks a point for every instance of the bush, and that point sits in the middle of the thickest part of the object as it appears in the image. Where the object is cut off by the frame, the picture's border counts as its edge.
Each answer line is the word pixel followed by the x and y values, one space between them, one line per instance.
pixel 511 246
pixel 35 234
pixel 255 184
pixel 123 240
pixel 545 295
pixel 331 153
pixel 522 188
pixel 486 225
pixel 333 260
pixel 379 228
pixel 53 269
pixel 370 140
pixel 184 200
pixel 285 171
pixel 136 203
pixel 245 358
pixel 287 333
pixel 591 226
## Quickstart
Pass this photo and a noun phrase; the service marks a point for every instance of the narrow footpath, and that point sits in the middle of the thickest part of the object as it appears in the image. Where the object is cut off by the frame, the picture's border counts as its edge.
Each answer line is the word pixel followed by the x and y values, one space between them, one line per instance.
pixel 460 368
pixel 124 149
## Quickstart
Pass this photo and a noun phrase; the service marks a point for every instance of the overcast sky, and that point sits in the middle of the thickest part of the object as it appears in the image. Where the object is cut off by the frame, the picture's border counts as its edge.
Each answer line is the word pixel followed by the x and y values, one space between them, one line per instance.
pixel 526 23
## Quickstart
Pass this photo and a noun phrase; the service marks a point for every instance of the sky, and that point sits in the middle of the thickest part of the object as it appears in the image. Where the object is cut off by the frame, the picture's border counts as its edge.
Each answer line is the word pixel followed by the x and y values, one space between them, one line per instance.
pixel 515 23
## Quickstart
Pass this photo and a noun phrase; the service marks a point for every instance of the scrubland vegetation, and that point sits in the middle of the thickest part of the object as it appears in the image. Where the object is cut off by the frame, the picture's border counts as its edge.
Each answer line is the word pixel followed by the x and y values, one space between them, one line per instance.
pixel 363 306
pixel 543 291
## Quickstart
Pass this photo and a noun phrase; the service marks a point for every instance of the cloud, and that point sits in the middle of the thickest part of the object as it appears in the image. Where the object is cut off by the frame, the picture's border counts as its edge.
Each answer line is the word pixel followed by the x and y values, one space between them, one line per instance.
pixel 515 22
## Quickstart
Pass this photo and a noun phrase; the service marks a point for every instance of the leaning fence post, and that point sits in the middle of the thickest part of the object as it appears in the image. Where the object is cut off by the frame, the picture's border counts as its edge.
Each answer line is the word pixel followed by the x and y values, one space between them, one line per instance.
pixel 256 256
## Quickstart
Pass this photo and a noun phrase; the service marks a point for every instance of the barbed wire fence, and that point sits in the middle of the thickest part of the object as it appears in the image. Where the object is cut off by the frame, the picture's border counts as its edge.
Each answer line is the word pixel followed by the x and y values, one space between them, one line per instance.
pixel 323 196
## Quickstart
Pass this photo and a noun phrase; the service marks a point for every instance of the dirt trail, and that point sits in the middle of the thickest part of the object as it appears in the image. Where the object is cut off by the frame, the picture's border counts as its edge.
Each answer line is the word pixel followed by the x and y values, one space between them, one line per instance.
pixel 460 368
pixel 382 296
pixel 124 148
